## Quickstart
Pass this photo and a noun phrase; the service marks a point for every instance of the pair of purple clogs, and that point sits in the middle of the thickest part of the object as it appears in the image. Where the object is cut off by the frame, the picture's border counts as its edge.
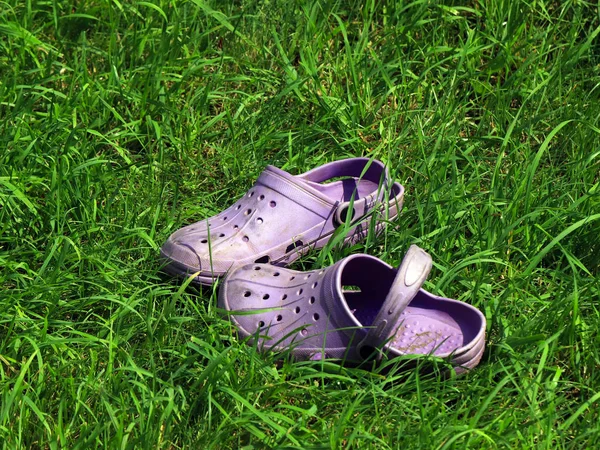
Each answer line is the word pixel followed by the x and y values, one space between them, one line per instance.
pixel 356 309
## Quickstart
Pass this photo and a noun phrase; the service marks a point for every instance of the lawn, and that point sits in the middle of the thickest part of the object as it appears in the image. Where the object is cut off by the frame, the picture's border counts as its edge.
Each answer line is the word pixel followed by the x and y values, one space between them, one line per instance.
pixel 122 121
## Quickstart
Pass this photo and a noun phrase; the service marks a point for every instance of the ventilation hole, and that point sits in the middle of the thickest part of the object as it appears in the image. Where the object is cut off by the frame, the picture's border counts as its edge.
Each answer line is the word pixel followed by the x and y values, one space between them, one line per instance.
pixel 266 297
pixel 315 316
pixel 297 309
pixel 257 268
pixel 245 239
pixel 315 284
pixel 279 318
pixel 311 300
pixel 276 274
pixel 262 197
pixel 238 207
pixel 261 324
pixel 263 260
pixel 204 241
pixel 225 218
pixel 300 291
pixel 222 235
pixel 248 212
pixel 235 227
pixel 251 194
pixel 272 204
pixel 292 278
pixel 321 272
pixel 259 220
pixel 247 294
pixel 304 332
pixel 344 214
pixel 293 246
pixel 284 296
pixel 307 277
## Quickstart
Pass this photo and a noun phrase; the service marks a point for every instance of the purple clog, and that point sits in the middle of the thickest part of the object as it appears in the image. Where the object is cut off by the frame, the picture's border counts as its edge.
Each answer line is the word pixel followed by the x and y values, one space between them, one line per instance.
pixel 358 307
pixel 283 216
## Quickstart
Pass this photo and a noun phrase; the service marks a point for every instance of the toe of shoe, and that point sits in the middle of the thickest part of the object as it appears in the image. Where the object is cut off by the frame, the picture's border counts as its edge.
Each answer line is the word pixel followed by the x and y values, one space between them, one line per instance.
pixel 180 256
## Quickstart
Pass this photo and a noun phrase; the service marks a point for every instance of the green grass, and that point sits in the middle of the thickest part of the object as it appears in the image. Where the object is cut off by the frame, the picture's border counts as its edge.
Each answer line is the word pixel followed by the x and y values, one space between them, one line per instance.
pixel 121 121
